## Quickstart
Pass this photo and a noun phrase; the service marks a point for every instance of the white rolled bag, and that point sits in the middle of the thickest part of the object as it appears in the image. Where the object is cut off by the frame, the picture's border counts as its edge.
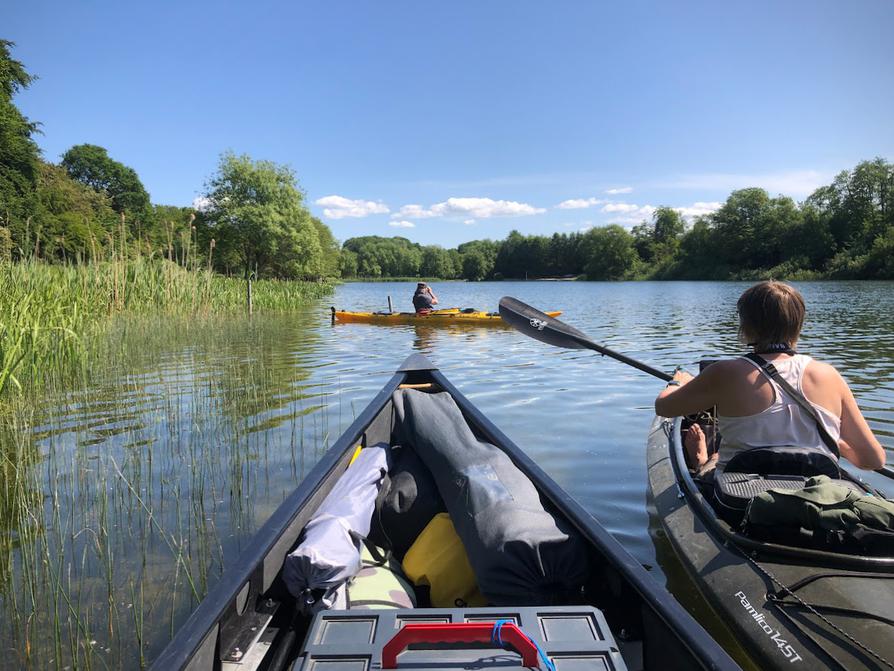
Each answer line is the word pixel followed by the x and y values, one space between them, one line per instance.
pixel 317 571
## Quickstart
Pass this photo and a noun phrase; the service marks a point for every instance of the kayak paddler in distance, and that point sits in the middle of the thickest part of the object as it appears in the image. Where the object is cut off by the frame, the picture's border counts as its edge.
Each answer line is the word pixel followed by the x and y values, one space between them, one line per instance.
pixel 424 299
pixel 754 410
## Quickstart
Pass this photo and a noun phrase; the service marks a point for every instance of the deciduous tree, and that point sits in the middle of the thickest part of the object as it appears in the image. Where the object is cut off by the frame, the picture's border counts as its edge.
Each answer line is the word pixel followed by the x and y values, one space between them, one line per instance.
pixel 256 212
pixel 436 262
pixel 92 165
pixel 610 253
pixel 19 155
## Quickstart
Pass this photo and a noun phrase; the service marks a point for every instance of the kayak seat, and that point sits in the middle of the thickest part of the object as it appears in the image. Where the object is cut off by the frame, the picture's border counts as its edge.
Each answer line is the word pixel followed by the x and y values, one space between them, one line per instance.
pixel 377 585
pixel 734 491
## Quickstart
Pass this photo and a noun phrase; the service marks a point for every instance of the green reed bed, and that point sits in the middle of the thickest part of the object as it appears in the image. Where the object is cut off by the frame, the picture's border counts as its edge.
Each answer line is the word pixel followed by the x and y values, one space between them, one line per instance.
pixel 46 310
pixel 127 490
pixel 141 413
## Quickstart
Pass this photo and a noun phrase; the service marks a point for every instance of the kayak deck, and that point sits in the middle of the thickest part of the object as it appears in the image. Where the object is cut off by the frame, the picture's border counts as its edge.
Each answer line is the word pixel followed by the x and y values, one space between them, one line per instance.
pixel 440 317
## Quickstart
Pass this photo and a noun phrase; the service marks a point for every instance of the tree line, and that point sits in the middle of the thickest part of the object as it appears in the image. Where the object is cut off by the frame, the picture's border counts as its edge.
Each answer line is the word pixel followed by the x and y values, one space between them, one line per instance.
pixel 842 230
pixel 253 220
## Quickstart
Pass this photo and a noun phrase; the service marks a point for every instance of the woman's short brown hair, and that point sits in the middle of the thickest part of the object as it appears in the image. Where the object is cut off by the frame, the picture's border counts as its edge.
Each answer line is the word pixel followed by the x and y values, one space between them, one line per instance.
pixel 769 313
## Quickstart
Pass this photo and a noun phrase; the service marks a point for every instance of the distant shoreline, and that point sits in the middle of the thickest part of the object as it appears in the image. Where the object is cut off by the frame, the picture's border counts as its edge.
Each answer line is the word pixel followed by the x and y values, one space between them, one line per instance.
pixel 384 280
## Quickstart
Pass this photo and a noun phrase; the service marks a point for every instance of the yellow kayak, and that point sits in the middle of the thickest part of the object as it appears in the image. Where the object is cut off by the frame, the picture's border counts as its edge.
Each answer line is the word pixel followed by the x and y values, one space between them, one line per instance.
pixel 435 317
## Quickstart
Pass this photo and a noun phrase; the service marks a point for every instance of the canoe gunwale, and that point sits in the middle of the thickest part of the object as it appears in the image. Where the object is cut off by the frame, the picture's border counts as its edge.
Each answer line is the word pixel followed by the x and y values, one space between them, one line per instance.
pixel 249 566
pixel 748 546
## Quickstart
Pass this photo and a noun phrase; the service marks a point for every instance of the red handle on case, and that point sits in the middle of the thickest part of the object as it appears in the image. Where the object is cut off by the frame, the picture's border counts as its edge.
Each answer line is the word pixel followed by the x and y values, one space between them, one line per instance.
pixel 457 632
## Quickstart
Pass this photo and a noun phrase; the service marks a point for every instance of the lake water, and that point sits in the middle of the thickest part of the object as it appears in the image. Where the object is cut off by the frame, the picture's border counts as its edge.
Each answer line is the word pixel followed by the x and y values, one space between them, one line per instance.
pixel 138 485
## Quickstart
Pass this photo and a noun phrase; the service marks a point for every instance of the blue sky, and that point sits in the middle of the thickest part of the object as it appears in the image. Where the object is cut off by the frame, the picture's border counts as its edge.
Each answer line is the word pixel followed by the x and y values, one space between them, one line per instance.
pixel 451 121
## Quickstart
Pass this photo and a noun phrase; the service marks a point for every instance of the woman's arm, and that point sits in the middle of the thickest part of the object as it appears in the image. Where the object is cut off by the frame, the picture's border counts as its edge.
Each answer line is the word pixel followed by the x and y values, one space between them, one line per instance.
pixel 693 395
pixel 434 299
pixel 858 444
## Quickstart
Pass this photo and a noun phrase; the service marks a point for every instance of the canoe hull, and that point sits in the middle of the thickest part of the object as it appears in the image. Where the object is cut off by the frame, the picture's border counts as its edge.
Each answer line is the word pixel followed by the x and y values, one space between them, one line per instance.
pixel 646 617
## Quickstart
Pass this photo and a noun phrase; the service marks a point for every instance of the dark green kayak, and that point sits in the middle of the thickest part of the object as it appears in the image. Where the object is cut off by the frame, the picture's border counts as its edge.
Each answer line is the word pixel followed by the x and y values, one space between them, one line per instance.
pixel 248 620
pixel 788 607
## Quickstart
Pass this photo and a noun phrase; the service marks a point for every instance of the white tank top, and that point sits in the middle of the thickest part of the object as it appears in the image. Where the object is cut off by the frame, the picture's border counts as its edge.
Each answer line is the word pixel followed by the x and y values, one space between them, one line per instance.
pixel 784 423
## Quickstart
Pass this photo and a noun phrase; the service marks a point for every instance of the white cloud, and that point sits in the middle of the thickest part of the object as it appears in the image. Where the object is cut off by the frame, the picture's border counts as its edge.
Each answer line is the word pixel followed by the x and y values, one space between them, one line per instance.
pixel 402 224
pixel 798 183
pixel 414 212
pixel 339 207
pixel 579 203
pixel 201 203
pixel 619 190
pixel 469 222
pixel 627 214
pixel 484 208
pixel 630 214
pixel 698 209
pixel 629 209
pixel 477 208
pixel 620 207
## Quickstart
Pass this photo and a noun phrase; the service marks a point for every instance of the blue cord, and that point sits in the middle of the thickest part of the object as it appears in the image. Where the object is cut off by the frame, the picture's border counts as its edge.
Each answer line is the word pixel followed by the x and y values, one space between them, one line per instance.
pixel 497 637
pixel 546 661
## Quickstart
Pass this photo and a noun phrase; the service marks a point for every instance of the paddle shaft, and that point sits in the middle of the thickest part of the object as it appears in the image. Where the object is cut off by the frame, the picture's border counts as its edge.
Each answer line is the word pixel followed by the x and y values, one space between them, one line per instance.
pixel 623 358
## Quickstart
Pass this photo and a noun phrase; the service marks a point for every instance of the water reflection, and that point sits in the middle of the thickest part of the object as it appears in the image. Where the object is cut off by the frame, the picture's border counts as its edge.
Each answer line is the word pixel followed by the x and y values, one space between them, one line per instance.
pixel 680 583
pixel 135 487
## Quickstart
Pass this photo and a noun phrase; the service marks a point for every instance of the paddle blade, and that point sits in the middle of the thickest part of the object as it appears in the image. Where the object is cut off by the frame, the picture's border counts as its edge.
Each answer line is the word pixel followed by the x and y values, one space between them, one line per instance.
pixel 540 326
pixel 532 322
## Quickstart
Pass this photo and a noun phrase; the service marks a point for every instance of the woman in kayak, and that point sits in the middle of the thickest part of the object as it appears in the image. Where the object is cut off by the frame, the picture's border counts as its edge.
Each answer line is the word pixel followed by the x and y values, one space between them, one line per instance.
pixel 752 409
pixel 424 299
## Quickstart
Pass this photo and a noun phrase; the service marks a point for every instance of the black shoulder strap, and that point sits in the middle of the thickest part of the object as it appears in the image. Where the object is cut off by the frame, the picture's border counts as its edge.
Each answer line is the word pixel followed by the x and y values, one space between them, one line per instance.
pixel 798 398
pixel 380 557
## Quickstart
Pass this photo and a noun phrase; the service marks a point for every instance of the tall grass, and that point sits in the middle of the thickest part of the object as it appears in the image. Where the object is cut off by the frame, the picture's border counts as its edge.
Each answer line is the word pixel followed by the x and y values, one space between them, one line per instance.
pixel 124 494
pixel 116 460
pixel 47 310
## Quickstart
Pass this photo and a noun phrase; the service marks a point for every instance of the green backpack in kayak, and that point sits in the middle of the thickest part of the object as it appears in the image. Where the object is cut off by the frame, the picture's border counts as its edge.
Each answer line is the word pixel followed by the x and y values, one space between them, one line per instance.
pixel 823 515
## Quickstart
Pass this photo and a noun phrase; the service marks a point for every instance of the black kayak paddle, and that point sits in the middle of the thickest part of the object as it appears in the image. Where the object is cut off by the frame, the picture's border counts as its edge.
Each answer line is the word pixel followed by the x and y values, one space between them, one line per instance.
pixel 534 323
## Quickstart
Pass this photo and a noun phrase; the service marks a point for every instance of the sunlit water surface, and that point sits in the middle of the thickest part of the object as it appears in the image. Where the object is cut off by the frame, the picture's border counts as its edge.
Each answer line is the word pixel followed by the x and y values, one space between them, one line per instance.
pixel 184 435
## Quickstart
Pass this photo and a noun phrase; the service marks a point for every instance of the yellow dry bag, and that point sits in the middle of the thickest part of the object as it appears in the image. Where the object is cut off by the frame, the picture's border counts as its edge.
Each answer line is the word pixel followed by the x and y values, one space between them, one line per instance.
pixel 438 560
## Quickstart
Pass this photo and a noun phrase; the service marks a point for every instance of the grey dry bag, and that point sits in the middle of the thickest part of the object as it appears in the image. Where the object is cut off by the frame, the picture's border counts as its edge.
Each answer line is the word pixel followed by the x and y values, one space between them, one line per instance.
pixel 520 552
